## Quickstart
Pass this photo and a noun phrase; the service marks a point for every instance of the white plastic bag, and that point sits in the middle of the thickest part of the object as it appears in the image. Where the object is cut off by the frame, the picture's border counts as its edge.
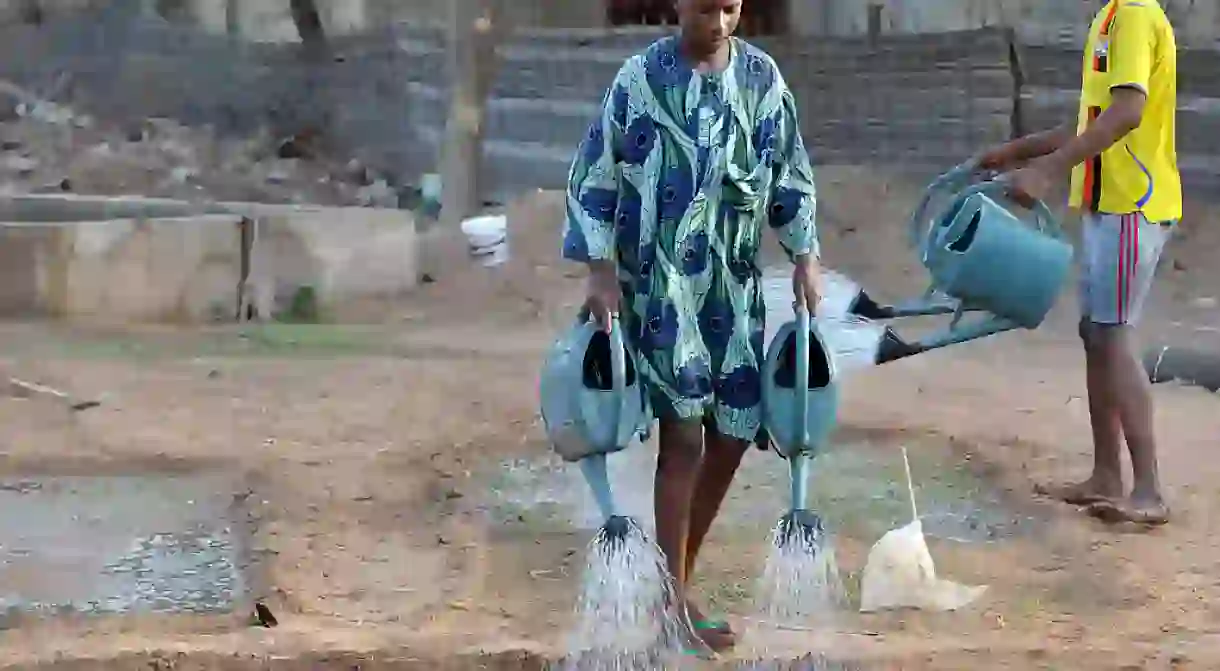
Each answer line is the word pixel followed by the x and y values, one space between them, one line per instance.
pixel 900 574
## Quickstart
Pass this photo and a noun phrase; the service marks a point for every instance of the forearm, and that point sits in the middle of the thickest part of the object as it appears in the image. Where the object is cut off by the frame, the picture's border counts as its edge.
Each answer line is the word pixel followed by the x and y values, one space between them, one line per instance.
pixel 602 266
pixel 1041 144
pixel 799 240
pixel 1112 126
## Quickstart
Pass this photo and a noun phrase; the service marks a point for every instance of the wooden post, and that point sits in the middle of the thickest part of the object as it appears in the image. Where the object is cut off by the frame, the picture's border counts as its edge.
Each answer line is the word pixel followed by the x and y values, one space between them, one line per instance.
pixel 874 22
pixel 309 27
pixel 471 51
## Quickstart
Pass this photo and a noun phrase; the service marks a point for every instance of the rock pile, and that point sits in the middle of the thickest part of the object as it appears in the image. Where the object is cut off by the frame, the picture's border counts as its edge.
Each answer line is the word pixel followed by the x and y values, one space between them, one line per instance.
pixel 45 147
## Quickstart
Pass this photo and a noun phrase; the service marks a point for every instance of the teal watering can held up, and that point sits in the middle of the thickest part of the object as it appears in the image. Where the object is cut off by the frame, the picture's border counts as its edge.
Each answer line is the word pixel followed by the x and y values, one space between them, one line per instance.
pixel 800 410
pixel 592 406
pixel 981 258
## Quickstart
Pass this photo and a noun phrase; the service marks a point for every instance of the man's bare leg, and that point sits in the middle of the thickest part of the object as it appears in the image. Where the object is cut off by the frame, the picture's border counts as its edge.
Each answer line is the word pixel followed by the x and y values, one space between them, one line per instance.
pixel 1106 481
pixel 721 459
pixel 1132 392
pixel 679 455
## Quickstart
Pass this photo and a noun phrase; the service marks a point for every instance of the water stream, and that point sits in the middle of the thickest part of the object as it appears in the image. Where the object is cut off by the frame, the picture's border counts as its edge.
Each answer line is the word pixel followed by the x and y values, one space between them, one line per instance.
pixel 626 616
pixel 800 580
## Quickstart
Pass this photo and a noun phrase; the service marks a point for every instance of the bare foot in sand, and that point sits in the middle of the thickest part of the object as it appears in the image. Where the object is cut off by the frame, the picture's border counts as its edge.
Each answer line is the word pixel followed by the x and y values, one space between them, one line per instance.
pixel 1152 512
pixel 1093 490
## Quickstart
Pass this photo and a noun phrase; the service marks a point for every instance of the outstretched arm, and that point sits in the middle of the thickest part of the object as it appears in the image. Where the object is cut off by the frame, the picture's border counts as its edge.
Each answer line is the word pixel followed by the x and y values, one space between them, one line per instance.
pixel 1027 148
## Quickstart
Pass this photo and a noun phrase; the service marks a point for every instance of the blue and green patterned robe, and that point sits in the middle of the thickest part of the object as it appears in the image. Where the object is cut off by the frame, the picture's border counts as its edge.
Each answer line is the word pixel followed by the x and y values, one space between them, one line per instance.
pixel 675 182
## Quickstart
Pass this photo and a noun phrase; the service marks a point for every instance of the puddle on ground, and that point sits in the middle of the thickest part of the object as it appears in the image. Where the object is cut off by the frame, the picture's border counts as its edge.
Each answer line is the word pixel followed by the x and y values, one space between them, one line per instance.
pixel 118 544
pixel 858 488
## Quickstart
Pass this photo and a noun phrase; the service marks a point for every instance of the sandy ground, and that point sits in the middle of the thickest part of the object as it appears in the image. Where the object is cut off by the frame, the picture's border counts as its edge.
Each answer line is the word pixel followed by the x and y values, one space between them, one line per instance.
pixel 361 458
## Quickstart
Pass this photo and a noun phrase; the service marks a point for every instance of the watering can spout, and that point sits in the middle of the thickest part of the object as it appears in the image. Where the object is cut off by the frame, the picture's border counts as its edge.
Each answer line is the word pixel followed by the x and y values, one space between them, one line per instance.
pixel 867 307
pixel 596 474
pixel 798 472
pixel 616 526
pixel 893 347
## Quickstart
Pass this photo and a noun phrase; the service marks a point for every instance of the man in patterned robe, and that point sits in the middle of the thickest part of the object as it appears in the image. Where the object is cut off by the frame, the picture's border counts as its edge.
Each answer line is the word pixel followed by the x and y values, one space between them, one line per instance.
pixel 696 151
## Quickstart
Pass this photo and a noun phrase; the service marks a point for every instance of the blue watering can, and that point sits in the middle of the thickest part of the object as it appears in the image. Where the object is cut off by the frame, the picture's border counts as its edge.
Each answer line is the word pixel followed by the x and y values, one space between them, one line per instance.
pixel 981 258
pixel 800 410
pixel 592 406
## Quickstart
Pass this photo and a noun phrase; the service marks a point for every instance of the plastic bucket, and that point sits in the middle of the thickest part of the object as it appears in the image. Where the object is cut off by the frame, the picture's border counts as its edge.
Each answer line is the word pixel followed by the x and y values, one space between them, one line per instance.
pixel 487 238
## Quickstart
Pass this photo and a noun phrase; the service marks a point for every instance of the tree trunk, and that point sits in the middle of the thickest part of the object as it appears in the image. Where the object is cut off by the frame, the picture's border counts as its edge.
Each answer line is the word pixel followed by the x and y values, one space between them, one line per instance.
pixel 471 45
pixel 306 119
pixel 309 26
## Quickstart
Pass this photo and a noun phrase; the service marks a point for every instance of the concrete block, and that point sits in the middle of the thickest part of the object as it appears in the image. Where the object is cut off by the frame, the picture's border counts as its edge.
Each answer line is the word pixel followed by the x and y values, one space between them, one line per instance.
pixel 182 261
pixel 182 269
pixel 340 253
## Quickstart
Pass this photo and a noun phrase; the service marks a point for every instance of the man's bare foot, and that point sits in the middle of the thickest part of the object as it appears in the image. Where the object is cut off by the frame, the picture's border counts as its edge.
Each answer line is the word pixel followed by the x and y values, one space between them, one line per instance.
pixel 1091 491
pixel 1151 512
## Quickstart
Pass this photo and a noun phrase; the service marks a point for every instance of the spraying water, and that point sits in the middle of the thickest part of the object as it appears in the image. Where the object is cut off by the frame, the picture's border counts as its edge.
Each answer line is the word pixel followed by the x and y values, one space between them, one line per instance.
pixel 627 618
pixel 800 579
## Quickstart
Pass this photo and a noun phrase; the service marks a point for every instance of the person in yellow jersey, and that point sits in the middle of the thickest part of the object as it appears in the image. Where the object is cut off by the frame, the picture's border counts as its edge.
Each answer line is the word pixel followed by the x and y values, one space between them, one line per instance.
pixel 1124 179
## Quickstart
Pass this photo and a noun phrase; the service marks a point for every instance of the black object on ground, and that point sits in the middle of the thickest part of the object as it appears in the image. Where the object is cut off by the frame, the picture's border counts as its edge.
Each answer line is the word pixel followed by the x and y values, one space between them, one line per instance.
pixel 1180 364
pixel 864 306
pixel 264 616
pixel 893 347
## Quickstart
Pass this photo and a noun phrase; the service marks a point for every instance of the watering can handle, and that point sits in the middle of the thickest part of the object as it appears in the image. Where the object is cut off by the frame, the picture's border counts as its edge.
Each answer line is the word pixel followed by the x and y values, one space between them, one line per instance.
pixel 1000 185
pixel 955 179
pixel 802 378
pixel 618 371
pixel 618 367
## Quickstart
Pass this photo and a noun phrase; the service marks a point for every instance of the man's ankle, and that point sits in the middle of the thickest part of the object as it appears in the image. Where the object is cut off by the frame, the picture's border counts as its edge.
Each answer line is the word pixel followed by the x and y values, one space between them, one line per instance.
pixel 1106 481
pixel 1147 493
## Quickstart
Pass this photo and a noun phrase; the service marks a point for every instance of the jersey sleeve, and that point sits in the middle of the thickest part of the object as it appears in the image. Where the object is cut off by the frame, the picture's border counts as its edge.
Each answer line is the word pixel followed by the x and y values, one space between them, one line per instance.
pixel 1132 45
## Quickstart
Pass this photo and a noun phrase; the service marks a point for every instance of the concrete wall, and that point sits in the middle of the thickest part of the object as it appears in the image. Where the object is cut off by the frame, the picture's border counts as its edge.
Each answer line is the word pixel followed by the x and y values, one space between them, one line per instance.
pixel 271 20
pixel 925 101
pixel 383 100
pixel 190 268
pixel 922 100
pixel 1197 21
